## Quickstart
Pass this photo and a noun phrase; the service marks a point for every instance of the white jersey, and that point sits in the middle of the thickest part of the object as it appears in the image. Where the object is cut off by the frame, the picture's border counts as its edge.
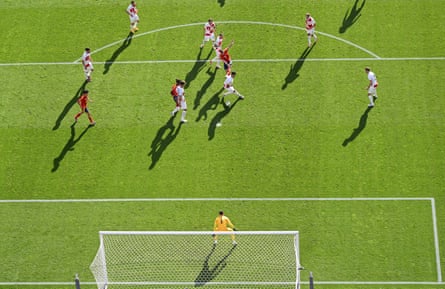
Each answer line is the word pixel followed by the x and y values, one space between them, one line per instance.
pixel 218 42
pixel 310 23
pixel 209 29
pixel 86 60
pixel 180 91
pixel 228 82
pixel 372 78
pixel 132 10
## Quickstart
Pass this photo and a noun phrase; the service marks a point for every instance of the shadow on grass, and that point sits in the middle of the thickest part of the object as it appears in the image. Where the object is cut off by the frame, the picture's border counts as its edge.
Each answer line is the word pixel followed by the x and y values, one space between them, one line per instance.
pixel 164 137
pixel 217 119
pixel 207 274
pixel 361 126
pixel 295 68
pixel 68 106
pixel 204 88
pixel 211 104
pixel 117 52
pixel 351 16
pixel 69 146
pixel 197 67
pixel 221 3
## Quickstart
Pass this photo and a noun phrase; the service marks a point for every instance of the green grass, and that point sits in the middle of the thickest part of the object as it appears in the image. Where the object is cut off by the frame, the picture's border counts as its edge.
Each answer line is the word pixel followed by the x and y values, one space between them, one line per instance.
pixel 302 131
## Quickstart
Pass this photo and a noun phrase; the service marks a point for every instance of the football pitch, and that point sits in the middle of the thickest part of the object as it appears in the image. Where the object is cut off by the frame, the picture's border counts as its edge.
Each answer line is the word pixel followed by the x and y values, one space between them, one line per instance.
pixel 302 152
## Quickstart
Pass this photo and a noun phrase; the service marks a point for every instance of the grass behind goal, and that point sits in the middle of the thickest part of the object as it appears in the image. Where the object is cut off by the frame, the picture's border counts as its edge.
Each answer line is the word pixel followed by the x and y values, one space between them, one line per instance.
pixel 302 131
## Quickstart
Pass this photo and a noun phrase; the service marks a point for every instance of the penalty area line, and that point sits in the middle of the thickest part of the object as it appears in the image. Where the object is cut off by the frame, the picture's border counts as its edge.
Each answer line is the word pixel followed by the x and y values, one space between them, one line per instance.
pixel 208 200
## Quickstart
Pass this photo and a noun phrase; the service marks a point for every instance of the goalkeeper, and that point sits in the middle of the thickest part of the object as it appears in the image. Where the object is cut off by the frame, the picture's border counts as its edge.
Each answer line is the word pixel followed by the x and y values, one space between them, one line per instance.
pixel 223 223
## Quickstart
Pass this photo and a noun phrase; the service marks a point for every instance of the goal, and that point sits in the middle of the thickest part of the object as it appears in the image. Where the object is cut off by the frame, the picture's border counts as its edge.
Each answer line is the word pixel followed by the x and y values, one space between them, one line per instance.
pixel 258 259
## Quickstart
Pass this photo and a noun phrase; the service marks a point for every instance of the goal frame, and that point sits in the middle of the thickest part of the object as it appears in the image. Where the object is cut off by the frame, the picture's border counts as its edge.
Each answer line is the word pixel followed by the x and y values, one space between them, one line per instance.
pixel 101 253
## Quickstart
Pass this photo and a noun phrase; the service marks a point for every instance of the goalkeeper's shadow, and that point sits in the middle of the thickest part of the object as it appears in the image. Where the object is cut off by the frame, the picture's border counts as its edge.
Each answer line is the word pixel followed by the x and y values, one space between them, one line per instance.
pixel 206 275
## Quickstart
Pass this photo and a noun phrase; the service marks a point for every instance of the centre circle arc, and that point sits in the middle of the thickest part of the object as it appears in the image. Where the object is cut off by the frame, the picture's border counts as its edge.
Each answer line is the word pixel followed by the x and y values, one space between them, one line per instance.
pixel 236 22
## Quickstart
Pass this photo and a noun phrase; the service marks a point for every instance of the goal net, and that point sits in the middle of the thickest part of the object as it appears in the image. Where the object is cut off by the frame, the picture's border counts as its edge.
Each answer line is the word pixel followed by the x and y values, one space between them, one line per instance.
pixel 258 259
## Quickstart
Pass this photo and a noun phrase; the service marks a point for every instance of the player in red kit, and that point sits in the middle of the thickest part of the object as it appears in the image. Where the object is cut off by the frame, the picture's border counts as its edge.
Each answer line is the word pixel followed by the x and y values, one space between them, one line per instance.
pixel 83 103
pixel 226 58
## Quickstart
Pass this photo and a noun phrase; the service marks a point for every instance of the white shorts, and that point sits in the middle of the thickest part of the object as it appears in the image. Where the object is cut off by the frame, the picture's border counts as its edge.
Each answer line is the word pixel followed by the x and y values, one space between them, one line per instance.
pixel 209 37
pixel 372 90
pixel 230 89
pixel 134 18
pixel 183 104
pixel 88 69
pixel 310 32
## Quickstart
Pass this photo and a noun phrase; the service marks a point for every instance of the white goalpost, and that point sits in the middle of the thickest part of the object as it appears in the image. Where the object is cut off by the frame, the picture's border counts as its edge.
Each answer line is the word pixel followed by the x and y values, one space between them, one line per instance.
pixel 181 259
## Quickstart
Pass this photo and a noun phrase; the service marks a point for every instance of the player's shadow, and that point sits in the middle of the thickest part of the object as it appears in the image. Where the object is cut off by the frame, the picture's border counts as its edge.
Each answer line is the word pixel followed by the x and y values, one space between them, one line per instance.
pixel 351 16
pixel 69 104
pixel 69 146
pixel 204 88
pixel 207 274
pixel 164 137
pixel 296 67
pixel 197 67
pixel 221 3
pixel 217 119
pixel 361 126
pixel 117 52
pixel 211 104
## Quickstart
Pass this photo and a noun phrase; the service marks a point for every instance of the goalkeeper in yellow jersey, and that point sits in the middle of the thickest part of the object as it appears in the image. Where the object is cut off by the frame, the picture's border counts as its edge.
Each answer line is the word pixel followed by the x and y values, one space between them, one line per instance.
pixel 223 223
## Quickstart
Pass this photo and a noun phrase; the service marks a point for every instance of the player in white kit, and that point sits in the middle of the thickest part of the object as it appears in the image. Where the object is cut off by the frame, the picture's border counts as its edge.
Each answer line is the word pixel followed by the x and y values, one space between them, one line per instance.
pixel 132 12
pixel 228 86
pixel 209 32
pixel 310 29
pixel 87 63
pixel 372 86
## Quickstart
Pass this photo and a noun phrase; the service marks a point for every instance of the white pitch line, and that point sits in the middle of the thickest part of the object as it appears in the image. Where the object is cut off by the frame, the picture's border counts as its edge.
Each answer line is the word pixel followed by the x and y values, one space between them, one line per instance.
pixel 302 282
pixel 436 241
pixel 378 283
pixel 237 60
pixel 207 200
pixel 433 209
pixel 235 22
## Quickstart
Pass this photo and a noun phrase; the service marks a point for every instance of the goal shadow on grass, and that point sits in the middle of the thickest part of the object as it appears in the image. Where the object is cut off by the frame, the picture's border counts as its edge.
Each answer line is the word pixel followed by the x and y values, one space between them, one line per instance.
pixel 164 137
pixel 68 106
pixel 69 146
pixel 361 126
pixel 207 274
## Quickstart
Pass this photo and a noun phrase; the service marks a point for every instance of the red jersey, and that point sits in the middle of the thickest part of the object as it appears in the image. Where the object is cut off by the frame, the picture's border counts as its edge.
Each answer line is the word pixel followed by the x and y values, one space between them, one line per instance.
pixel 225 56
pixel 83 100
pixel 173 92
